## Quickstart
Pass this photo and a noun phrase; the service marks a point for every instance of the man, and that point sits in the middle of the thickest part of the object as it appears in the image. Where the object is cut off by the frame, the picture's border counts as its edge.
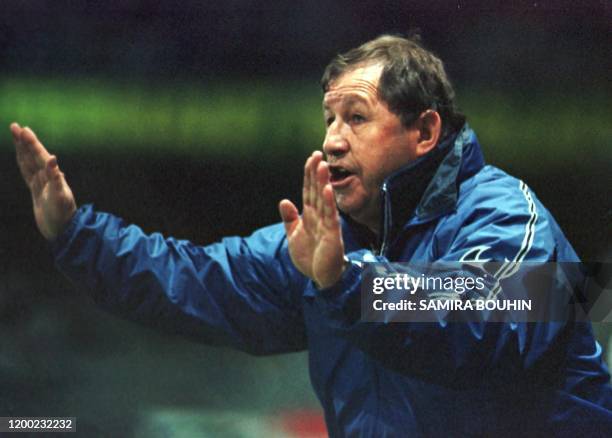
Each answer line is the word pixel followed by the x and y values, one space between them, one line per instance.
pixel 403 180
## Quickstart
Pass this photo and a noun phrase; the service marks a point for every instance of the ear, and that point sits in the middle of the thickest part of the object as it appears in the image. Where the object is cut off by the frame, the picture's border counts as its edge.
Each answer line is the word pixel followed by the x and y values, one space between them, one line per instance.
pixel 429 125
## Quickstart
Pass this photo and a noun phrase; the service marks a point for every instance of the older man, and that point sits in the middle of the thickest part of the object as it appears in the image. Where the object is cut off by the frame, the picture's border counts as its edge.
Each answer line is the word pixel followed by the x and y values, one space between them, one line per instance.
pixel 403 180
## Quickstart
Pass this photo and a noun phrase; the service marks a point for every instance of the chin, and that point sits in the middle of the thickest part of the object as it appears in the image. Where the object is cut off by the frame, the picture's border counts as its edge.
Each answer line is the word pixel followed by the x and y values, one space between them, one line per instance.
pixel 355 212
pixel 358 210
pixel 346 206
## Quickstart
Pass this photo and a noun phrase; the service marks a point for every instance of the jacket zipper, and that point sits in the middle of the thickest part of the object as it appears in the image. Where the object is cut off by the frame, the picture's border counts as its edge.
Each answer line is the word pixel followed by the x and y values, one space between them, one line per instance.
pixel 387 214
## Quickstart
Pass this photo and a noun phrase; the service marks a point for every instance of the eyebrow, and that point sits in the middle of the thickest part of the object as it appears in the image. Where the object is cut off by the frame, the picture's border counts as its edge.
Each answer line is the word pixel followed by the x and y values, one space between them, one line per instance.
pixel 351 99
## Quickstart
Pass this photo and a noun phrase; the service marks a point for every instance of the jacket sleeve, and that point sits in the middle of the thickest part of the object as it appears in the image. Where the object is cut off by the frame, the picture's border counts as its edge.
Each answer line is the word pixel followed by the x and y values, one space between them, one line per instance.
pixel 502 228
pixel 241 292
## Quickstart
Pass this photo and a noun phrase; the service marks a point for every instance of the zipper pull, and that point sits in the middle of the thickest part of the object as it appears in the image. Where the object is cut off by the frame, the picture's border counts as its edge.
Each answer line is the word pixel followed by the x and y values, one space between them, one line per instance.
pixel 386 214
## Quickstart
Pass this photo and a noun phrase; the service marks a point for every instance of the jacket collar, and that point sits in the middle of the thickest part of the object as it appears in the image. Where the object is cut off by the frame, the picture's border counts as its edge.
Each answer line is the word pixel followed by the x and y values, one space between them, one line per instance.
pixel 424 189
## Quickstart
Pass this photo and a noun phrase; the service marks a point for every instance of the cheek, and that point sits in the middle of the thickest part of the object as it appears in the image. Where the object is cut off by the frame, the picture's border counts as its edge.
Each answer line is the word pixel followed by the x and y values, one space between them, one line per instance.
pixel 375 172
pixel 380 154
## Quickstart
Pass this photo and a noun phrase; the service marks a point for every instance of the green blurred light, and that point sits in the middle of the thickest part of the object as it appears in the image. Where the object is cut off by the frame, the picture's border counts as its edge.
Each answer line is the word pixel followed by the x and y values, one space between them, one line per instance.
pixel 242 118
pixel 223 118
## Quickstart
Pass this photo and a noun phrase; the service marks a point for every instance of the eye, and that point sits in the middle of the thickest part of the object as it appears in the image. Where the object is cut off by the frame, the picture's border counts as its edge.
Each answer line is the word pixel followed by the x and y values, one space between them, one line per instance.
pixel 357 118
pixel 329 120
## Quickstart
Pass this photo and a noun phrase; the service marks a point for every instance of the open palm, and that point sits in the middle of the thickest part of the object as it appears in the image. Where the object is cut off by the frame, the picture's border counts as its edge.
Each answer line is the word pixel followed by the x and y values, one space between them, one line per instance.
pixel 52 199
pixel 315 238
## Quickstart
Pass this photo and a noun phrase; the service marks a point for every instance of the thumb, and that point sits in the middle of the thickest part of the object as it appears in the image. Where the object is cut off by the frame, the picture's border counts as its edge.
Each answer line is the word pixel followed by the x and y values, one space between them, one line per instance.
pixel 53 173
pixel 289 215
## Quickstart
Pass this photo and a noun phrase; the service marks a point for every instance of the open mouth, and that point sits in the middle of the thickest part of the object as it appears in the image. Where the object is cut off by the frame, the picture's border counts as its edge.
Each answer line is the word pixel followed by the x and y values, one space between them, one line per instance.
pixel 339 174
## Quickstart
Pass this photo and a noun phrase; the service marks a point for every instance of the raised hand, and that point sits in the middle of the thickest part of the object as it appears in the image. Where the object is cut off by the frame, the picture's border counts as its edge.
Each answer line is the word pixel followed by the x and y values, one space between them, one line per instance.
pixel 52 199
pixel 315 238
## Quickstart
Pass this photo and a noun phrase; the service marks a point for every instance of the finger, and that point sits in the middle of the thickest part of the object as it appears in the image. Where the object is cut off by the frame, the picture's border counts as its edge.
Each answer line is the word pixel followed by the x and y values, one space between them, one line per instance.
pixel 322 177
pixel 307 211
pixel 31 154
pixel 33 146
pixel 54 174
pixel 331 218
pixel 314 163
pixel 289 214
pixel 306 186
pixel 36 185
pixel 15 131
pixel 26 162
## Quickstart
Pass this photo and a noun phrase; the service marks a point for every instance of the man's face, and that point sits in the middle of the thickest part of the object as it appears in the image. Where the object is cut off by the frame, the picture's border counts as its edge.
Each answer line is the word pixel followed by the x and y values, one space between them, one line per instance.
pixel 364 142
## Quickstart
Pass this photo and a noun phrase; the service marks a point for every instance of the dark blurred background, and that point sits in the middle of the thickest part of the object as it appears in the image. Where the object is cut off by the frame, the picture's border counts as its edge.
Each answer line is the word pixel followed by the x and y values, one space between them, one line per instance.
pixel 194 118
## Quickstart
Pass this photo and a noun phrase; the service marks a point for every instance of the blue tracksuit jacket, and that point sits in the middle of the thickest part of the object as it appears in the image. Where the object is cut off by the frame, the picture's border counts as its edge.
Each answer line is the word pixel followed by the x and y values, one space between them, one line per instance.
pixel 373 380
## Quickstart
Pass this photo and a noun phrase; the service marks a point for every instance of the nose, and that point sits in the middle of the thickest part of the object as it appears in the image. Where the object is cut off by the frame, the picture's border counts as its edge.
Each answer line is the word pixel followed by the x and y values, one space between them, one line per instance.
pixel 335 144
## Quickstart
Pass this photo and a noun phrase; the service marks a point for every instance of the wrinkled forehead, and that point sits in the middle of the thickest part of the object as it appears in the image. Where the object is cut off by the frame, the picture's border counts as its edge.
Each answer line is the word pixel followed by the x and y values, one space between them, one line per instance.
pixel 359 82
